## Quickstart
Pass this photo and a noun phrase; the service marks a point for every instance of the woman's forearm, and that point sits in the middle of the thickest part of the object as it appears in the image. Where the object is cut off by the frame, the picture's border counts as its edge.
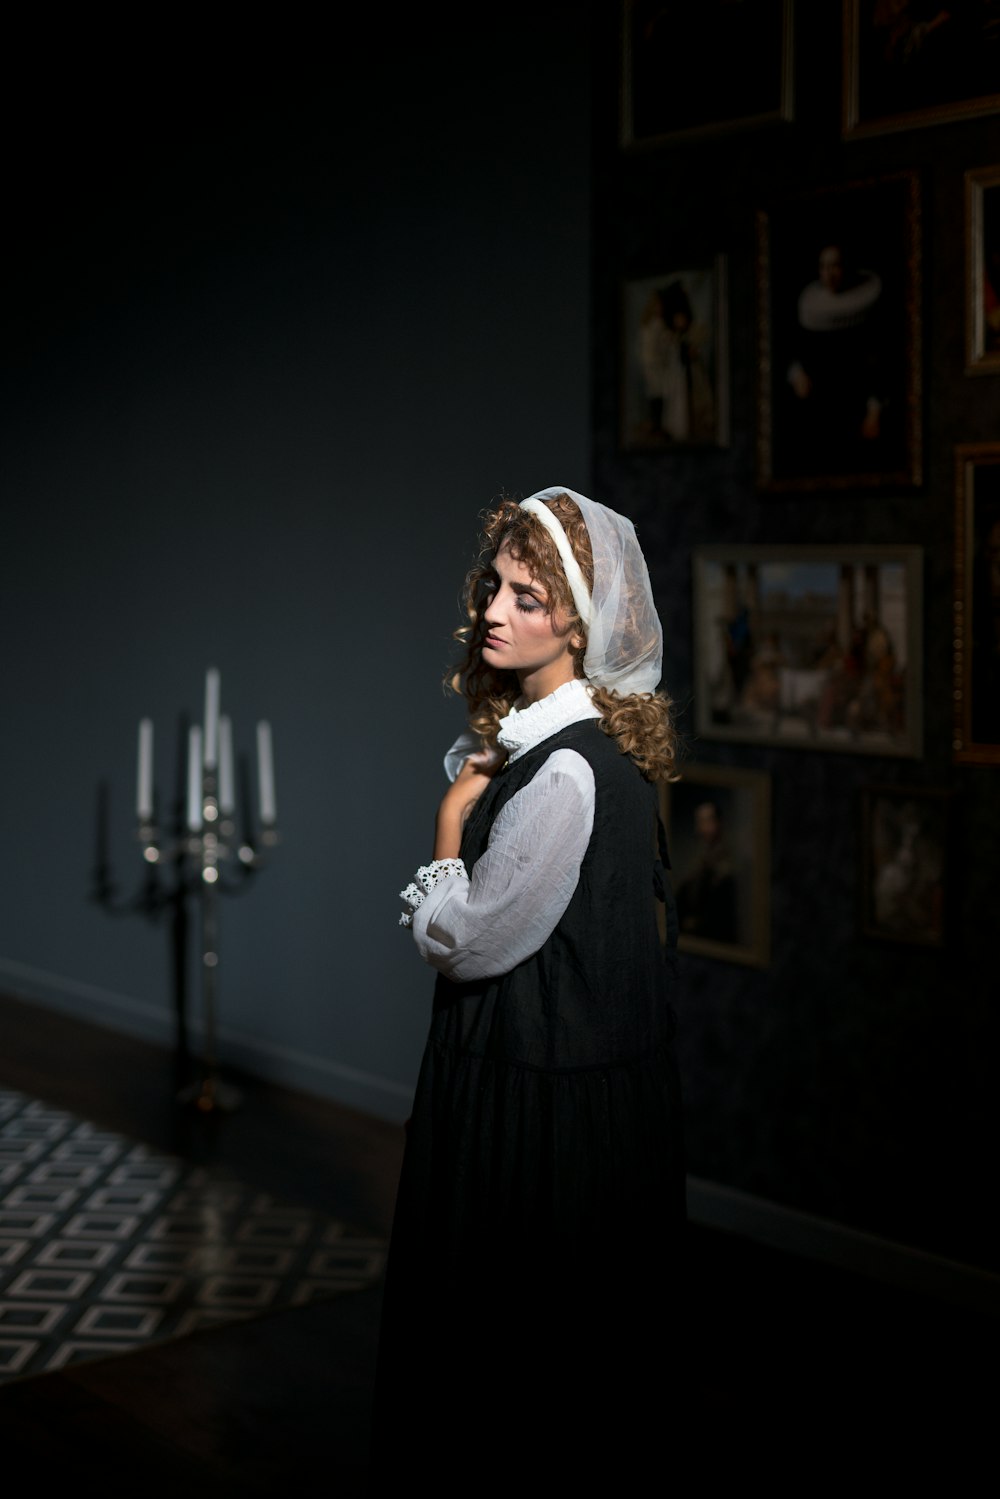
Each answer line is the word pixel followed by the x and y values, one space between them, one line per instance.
pixel 448 830
pixel 456 804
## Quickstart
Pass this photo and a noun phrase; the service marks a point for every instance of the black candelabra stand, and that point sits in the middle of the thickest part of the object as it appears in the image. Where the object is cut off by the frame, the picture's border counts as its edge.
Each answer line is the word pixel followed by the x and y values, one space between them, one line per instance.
pixel 205 854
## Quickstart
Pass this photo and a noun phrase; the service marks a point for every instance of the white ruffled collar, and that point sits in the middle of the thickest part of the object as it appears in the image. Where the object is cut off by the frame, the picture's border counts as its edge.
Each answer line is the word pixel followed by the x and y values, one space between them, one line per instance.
pixel 527 726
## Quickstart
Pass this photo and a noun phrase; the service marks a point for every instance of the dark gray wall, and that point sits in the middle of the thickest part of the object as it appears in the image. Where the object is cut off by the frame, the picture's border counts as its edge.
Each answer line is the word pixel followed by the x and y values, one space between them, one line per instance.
pixel 274 340
pixel 852 1078
pixel 271 346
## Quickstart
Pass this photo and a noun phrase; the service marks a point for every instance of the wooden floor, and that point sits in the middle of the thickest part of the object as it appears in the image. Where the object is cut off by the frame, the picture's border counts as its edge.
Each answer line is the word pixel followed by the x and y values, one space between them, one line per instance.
pixel 799 1373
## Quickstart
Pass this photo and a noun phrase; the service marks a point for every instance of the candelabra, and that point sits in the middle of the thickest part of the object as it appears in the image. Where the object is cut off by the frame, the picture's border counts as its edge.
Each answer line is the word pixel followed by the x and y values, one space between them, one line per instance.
pixel 209 857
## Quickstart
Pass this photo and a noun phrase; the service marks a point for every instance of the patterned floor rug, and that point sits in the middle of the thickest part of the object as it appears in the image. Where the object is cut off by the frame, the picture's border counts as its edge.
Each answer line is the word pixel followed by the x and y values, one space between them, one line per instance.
pixel 106 1245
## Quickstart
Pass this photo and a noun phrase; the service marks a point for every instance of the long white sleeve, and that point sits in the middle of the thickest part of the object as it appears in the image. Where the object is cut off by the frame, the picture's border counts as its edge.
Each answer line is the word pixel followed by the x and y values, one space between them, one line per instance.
pixel 520 887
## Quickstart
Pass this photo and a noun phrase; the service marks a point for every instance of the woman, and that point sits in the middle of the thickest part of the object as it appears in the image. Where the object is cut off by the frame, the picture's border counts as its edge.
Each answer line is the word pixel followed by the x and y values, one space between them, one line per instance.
pixel 679 394
pixel 542 1196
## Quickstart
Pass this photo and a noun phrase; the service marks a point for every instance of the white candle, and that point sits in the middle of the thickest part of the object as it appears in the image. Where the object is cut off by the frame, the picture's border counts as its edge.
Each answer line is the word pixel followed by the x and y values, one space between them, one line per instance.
pixel 144 789
pixel 211 718
pixel 227 800
pixel 265 772
pixel 194 805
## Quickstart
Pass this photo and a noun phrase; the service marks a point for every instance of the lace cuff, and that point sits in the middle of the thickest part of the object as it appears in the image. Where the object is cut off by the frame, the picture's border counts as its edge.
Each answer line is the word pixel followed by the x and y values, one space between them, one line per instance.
pixel 427 876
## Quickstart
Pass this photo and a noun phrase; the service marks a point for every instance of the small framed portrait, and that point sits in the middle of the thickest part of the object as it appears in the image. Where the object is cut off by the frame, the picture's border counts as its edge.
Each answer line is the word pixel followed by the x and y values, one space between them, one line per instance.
pixel 718 822
pixel 905 838
pixel 838 306
pixel 976 634
pixel 982 275
pixel 811 647
pixel 918 62
pixel 674 381
pixel 692 70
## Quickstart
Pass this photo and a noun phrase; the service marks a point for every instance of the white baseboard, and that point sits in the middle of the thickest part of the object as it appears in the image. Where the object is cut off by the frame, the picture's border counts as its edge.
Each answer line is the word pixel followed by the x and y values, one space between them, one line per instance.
pixel 835 1244
pixel 277 1064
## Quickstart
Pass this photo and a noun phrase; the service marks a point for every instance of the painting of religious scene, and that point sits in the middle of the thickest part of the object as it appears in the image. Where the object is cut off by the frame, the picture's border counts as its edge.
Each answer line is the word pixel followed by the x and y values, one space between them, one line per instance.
pixel 674 379
pixel 718 821
pixel 919 62
pixel 838 288
pixel 809 647
pixel 905 844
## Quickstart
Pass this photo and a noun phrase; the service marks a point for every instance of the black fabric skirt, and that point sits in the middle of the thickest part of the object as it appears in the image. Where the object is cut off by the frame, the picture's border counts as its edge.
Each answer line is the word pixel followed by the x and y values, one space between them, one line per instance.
pixel 532 1292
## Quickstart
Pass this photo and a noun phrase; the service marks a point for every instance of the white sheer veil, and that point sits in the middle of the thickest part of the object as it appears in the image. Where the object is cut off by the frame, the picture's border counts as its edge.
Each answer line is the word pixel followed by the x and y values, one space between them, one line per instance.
pixel 624 637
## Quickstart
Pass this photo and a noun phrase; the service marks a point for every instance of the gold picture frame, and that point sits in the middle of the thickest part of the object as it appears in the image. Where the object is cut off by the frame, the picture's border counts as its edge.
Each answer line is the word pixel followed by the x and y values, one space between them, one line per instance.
pixel 839 383
pixel 813 647
pixel 691 71
pixel 982 271
pixel 976 632
pixel 718 823
pixel 674 359
pixel 902 70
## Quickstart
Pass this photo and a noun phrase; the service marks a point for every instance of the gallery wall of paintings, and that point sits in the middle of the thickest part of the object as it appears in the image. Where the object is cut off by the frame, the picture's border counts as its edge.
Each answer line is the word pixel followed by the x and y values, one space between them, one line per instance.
pixel 796 355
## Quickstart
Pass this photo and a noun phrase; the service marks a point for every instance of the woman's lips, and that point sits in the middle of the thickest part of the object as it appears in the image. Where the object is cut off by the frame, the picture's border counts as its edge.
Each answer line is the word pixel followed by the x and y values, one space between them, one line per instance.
pixel 493 640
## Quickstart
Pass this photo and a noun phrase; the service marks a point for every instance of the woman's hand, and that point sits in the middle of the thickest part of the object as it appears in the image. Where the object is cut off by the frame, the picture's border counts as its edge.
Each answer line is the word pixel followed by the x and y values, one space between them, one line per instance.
pixel 458 801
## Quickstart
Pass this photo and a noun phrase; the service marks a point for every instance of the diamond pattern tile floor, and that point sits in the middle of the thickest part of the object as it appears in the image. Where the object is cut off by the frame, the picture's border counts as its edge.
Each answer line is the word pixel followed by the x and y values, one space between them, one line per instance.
pixel 106 1245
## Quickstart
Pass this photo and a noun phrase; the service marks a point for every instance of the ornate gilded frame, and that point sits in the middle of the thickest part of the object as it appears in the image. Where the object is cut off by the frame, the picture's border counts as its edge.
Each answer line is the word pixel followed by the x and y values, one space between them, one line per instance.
pixel 976 604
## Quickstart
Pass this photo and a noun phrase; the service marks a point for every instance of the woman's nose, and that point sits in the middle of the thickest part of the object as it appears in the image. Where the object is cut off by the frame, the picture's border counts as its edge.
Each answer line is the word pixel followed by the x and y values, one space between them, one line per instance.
pixel 495 609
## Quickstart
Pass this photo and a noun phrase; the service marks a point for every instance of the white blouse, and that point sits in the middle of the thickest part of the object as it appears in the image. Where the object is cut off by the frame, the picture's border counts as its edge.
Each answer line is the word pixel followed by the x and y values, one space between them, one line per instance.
pixel 480 927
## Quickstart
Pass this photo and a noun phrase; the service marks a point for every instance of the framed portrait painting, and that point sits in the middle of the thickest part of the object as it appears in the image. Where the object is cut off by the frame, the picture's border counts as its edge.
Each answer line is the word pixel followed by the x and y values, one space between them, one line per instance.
pixel 810 647
pixel 909 63
pixel 718 822
pixel 976 635
pixel 905 837
pixel 838 309
pixel 692 70
pixel 674 381
pixel 982 276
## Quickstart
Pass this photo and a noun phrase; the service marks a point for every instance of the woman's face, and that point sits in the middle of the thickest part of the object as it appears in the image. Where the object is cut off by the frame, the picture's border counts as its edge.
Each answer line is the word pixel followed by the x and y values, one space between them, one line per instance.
pixel 523 635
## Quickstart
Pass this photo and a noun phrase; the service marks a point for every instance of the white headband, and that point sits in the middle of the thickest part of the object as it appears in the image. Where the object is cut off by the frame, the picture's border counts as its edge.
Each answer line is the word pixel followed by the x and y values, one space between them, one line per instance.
pixel 574 577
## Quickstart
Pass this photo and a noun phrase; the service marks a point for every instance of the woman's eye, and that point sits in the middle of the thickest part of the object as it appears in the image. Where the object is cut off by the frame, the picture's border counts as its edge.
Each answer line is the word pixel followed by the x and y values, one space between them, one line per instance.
pixel 527 605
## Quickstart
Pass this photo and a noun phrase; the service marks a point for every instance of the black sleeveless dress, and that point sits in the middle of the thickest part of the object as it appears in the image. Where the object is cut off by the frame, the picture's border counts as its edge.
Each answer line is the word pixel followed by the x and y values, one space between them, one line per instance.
pixel 532 1265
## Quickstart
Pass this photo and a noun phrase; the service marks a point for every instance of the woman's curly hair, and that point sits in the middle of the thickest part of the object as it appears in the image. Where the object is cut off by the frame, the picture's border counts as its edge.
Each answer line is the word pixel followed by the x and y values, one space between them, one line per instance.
pixel 641 723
